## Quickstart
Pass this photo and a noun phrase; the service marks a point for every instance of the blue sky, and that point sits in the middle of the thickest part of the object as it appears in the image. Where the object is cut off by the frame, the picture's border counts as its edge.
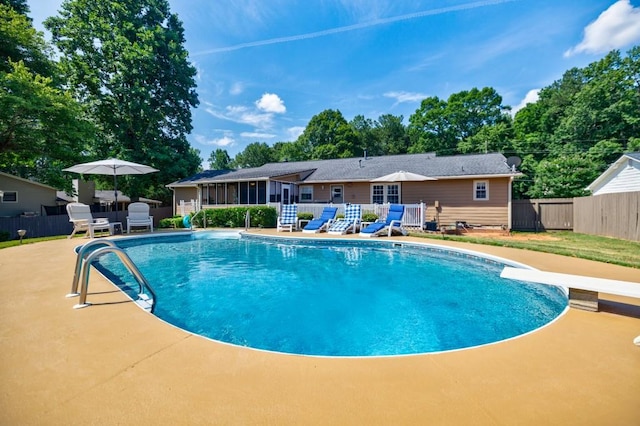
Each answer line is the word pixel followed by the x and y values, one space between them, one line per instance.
pixel 265 68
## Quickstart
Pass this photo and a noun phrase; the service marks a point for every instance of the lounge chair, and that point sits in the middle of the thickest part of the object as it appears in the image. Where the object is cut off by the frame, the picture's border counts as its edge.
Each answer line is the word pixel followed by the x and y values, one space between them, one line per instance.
pixel 350 222
pixel 138 215
pixel 82 219
pixel 392 223
pixel 323 222
pixel 288 218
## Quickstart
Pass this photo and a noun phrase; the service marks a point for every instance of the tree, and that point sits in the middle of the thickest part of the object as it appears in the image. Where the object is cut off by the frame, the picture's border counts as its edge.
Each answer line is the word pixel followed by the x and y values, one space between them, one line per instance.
pixel 19 6
pixel 254 155
pixel 19 41
pixel 564 176
pixel 126 60
pixel 391 134
pixel 430 130
pixel 219 160
pixel 330 136
pixel 42 128
pixel 291 151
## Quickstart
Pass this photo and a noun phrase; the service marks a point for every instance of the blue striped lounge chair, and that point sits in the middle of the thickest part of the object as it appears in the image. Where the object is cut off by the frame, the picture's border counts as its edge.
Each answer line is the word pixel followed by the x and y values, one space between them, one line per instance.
pixel 392 223
pixel 351 221
pixel 288 219
pixel 323 222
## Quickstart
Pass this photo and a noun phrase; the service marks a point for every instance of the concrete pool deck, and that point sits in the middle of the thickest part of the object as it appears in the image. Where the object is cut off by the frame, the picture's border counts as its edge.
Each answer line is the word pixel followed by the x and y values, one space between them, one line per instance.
pixel 113 363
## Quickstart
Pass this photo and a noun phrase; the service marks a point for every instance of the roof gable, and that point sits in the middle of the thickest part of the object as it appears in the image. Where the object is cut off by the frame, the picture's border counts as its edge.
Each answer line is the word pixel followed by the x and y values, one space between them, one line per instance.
pixel 622 176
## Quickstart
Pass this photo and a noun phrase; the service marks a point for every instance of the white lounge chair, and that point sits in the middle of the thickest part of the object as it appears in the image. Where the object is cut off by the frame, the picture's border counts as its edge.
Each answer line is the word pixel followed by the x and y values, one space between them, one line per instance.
pixel 392 223
pixel 82 219
pixel 350 222
pixel 138 216
pixel 288 219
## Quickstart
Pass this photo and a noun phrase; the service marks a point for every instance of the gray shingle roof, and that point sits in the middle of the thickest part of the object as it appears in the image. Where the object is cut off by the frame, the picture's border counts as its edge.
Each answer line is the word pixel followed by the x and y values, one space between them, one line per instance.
pixel 361 169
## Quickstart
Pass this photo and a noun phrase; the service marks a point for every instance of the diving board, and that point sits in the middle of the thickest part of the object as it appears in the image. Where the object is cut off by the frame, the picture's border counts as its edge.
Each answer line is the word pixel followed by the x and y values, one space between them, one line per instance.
pixel 583 291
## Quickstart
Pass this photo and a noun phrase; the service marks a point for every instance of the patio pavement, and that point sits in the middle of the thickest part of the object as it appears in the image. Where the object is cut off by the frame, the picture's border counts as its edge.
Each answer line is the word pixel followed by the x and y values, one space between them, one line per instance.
pixel 113 363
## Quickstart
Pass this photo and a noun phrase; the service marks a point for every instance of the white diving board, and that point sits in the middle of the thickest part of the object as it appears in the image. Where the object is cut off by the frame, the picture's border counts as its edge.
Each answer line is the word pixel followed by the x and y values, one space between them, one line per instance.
pixel 583 291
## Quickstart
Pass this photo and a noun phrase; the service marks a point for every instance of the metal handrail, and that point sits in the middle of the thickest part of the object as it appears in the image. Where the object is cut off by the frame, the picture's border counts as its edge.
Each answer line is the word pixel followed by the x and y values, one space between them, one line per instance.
pixel 126 260
pixel 204 219
pixel 82 253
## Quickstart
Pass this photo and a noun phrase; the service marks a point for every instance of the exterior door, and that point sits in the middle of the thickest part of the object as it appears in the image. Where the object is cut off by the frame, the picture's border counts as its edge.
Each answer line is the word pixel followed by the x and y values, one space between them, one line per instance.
pixel 337 195
pixel 285 194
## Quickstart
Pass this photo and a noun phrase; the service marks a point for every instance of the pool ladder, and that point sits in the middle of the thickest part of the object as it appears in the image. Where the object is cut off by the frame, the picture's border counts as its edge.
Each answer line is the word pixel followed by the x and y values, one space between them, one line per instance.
pixel 83 265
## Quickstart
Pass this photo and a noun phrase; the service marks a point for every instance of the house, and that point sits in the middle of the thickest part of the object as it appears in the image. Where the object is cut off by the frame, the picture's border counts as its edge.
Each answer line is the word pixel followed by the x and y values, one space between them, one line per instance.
pixel 24 197
pixel 621 176
pixel 472 188
pixel 101 199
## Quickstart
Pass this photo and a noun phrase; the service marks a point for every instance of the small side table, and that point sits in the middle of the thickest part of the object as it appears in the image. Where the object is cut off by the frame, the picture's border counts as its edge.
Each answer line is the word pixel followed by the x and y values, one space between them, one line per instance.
pixel 115 228
pixel 302 222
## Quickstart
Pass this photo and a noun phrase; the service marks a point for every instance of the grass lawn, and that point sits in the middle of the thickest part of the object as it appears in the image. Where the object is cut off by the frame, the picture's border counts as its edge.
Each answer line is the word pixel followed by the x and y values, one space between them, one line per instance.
pixel 566 243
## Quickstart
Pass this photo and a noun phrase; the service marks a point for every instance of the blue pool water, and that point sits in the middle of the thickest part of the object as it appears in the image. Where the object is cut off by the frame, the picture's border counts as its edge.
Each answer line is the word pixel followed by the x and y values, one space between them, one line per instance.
pixel 355 298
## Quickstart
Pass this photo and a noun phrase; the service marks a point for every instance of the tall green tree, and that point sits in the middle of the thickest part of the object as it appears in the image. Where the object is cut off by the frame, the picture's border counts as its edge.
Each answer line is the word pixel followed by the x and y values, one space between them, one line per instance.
pixel 430 130
pixel 392 134
pixel 126 60
pixel 254 155
pixel 20 6
pixel 219 160
pixel 42 128
pixel 330 136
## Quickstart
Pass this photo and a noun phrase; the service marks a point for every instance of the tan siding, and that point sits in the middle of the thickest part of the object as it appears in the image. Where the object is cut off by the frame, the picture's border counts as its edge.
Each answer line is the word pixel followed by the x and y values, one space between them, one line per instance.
pixel 455 198
pixel 186 194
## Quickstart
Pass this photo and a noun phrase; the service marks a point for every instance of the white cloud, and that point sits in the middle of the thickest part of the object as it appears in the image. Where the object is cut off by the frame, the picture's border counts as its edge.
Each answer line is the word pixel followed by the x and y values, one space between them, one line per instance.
pixel 243 115
pixel 257 135
pixel 295 132
pixel 531 97
pixel 270 102
pixel 616 27
pixel 224 141
pixel 401 96
pixel 236 88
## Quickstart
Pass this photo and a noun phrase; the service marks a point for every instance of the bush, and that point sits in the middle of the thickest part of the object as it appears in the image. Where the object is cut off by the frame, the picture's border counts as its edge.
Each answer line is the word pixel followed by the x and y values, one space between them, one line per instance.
pixel 4 235
pixel 369 217
pixel 234 217
pixel 305 216
pixel 171 222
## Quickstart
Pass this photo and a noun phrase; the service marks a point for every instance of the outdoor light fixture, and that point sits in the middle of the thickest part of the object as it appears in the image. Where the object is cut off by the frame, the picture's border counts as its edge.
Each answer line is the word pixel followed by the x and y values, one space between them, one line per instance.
pixel 1 195
pixel 21 234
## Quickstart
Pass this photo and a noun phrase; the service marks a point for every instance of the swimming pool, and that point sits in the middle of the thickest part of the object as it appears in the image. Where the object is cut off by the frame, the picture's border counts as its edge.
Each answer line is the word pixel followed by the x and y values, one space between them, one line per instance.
pixel 334 297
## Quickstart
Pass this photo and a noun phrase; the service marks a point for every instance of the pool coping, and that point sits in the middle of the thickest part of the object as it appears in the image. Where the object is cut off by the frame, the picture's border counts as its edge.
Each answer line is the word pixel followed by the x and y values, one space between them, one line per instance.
pixel 113 363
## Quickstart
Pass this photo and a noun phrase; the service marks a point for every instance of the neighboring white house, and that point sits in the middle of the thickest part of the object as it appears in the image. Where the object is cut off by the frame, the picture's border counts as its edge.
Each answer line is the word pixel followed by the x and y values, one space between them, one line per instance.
pixel 622 176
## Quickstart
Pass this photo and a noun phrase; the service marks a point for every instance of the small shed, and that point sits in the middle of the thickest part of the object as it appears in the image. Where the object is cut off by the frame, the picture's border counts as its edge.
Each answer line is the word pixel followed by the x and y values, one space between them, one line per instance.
pixel 621 176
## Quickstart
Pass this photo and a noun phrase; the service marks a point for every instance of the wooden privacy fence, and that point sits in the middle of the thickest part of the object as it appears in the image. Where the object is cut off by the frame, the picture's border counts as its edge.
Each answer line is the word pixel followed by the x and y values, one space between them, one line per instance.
pixel 542 214
pixel 610 215
pixel 48 226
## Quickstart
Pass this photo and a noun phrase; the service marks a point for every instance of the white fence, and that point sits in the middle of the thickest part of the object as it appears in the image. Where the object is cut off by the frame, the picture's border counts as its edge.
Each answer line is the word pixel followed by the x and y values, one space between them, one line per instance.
pixel 414 214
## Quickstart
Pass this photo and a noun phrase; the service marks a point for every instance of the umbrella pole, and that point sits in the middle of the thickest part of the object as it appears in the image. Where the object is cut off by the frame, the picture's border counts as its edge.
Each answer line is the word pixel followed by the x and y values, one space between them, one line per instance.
pixel 115 193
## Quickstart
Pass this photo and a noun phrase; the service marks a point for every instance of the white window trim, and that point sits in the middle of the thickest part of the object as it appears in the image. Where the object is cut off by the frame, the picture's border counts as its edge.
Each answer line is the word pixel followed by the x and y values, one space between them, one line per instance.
pixel 303 189
pixel 385 191
pixel 475 190
pixel 4 196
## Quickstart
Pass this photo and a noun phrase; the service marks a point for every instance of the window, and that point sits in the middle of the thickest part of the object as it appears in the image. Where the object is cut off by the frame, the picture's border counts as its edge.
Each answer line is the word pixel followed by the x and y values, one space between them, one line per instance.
pixel 306 194
pixel 393 194
pixel 385 193
pixel 10 197
pixel 480 190
pixel 377 194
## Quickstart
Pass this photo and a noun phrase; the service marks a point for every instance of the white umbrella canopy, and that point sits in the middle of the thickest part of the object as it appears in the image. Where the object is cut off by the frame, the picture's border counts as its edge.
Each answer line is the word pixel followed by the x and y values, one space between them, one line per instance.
pixel 112 167
pixel 402 176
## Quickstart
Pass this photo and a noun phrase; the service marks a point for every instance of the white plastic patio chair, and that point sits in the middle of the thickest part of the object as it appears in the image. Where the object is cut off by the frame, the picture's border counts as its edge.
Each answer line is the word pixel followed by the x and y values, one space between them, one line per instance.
pixel 138 216
pixel 82 219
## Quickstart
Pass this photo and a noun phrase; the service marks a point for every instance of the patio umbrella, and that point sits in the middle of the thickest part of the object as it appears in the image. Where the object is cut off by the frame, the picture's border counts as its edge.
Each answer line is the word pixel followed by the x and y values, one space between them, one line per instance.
pixel 113 167
pixel 402 176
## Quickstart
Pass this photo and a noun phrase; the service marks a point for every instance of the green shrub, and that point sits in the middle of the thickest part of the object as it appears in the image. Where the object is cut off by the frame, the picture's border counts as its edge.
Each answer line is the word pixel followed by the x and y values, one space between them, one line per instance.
pixel 4 235
pixel 234 217
pixel 305 216
pixel 171 222
pixel 369 217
